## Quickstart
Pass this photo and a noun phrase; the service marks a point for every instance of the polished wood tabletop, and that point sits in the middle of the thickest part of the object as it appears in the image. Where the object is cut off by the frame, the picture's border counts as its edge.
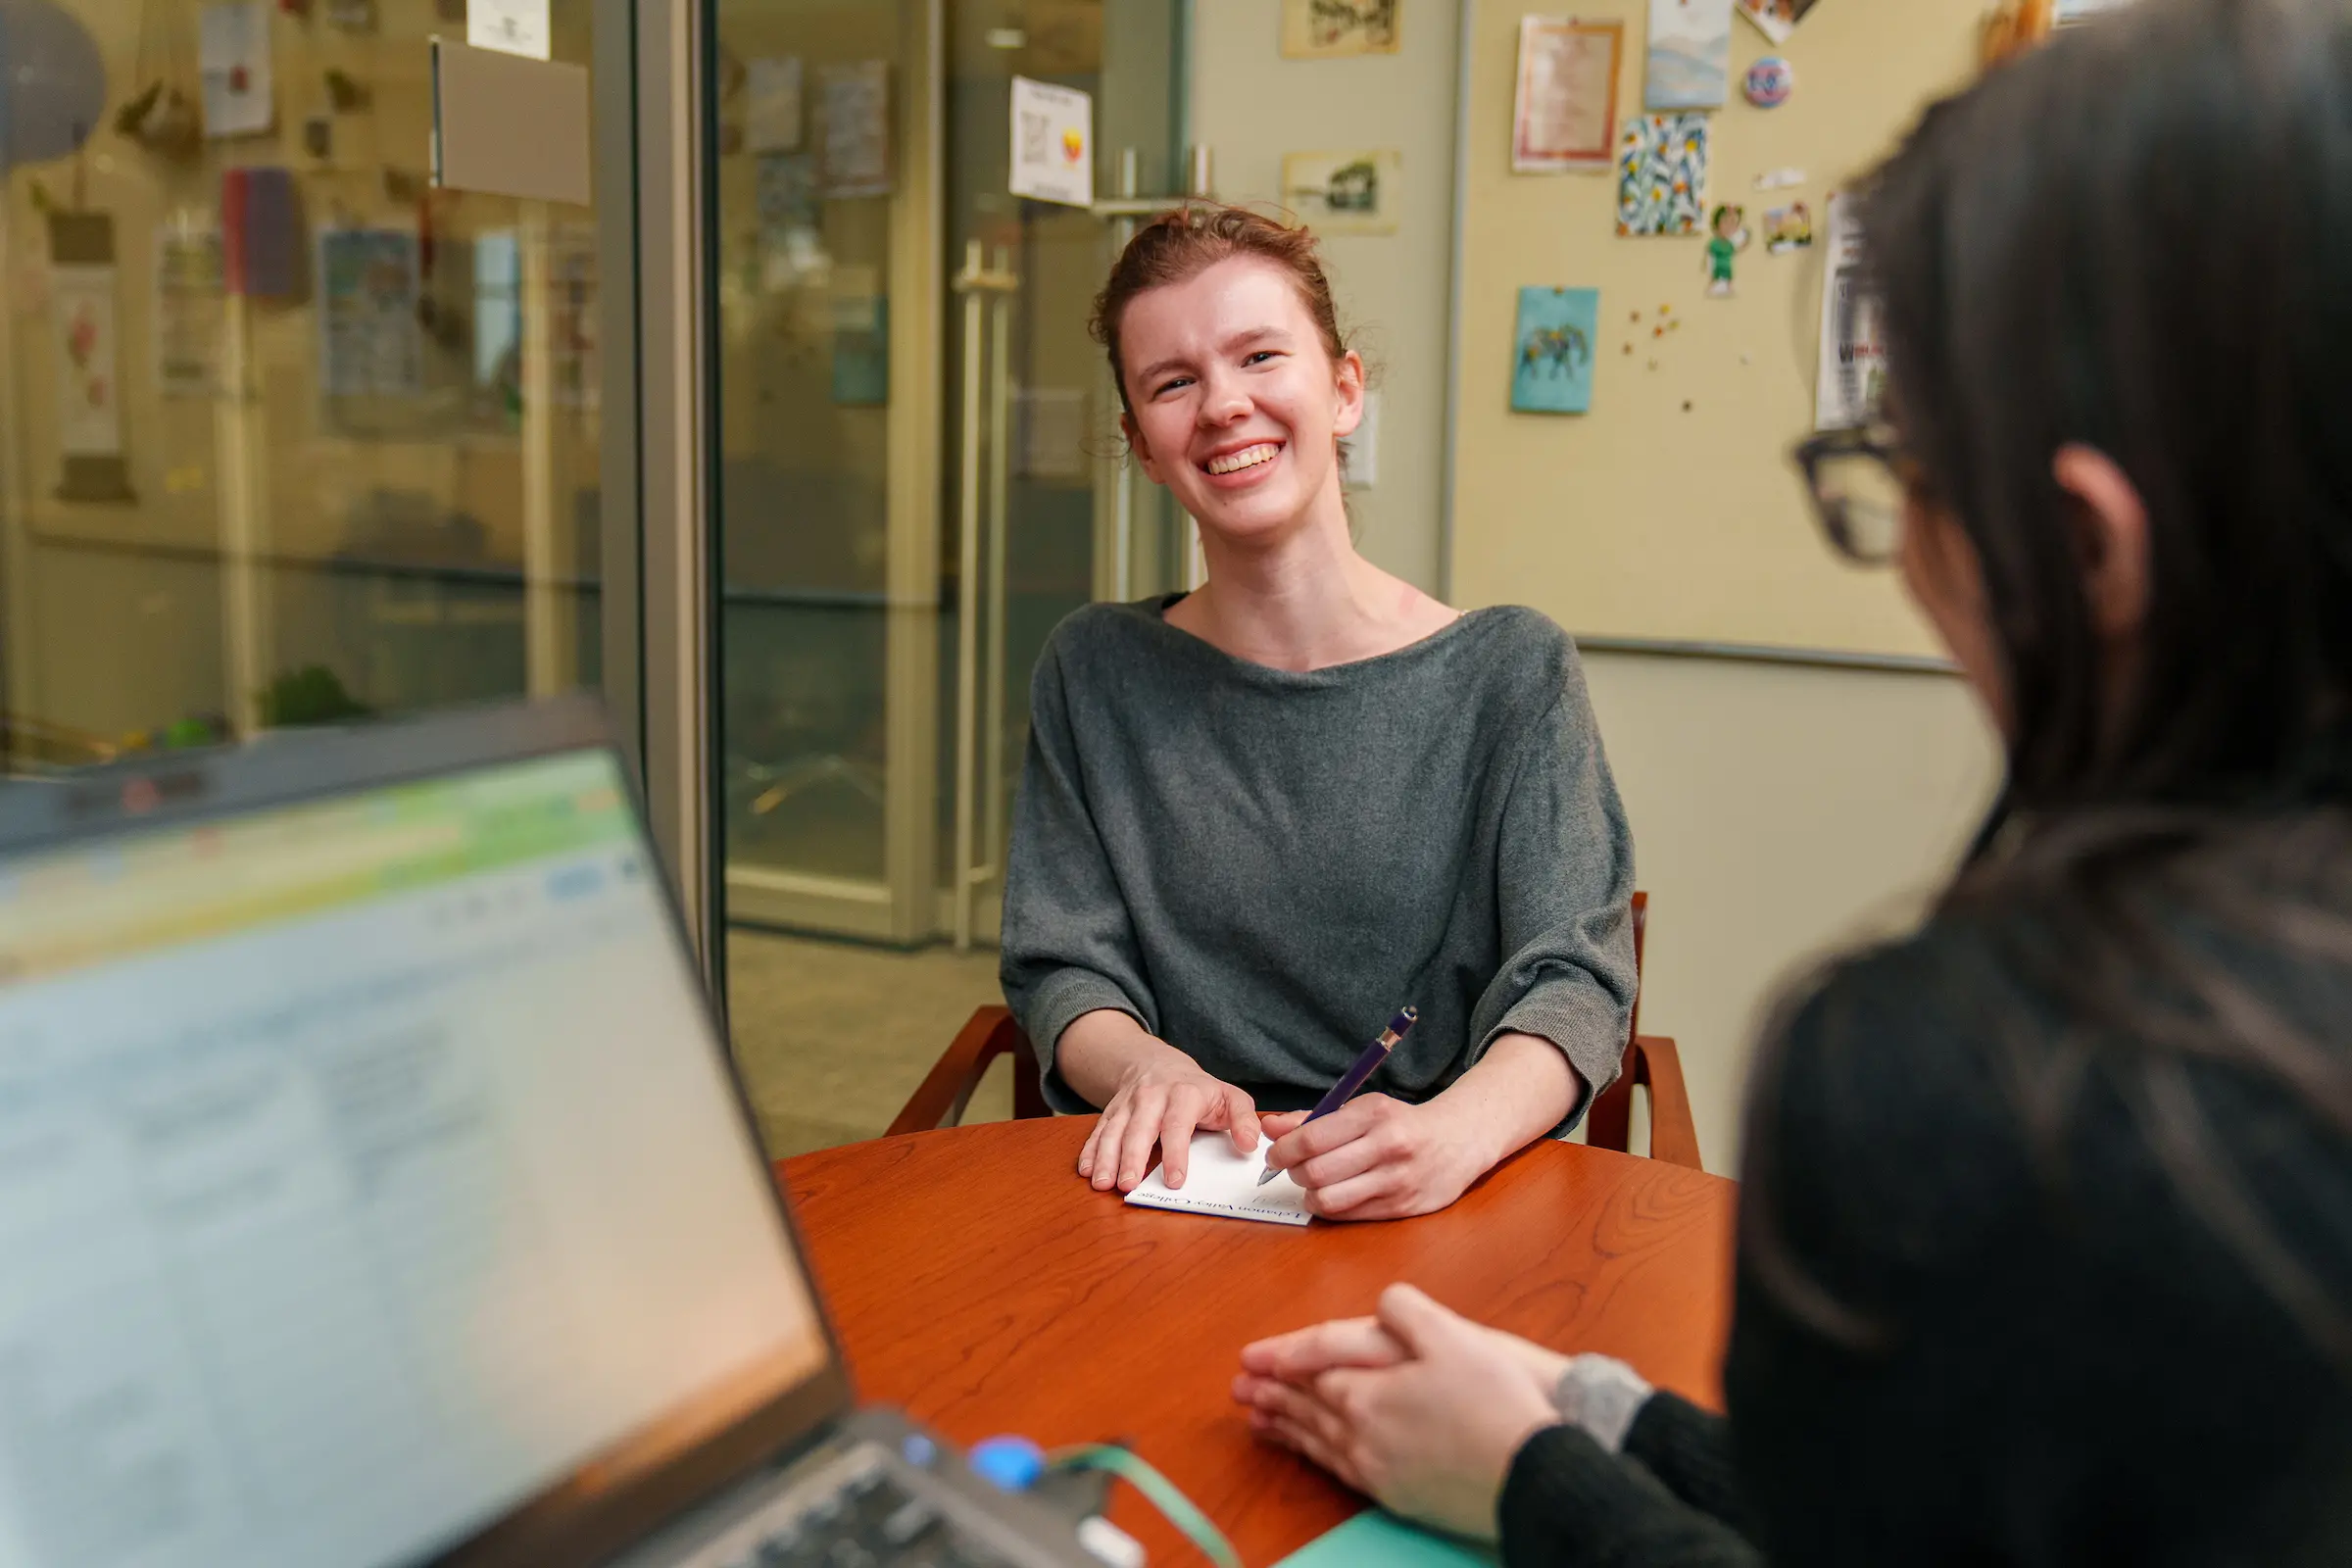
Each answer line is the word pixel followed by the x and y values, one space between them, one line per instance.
pixel 976 1281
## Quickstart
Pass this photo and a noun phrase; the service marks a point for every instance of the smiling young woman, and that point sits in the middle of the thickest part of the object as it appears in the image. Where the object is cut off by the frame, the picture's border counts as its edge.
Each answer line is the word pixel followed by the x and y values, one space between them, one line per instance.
pixel 1259 817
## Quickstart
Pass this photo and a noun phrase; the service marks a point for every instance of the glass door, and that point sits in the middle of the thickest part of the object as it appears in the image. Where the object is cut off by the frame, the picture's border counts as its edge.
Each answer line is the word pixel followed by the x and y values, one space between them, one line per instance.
pixel 918 476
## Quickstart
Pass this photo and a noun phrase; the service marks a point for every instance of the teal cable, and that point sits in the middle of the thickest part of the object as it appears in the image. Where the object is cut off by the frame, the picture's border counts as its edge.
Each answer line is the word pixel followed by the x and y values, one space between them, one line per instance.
pixel 1157 1489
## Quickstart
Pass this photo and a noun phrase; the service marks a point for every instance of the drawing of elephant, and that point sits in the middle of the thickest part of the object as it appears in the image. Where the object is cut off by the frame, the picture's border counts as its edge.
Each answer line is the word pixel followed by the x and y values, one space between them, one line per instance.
pixel 1559 348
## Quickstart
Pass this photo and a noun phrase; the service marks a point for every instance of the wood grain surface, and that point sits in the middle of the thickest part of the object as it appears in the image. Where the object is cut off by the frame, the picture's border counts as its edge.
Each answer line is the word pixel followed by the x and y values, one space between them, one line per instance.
pixel 977 1283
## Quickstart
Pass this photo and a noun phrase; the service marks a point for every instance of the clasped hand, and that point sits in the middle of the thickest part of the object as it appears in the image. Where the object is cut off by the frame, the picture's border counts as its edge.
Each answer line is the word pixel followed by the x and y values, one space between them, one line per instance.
pixel 1418 1407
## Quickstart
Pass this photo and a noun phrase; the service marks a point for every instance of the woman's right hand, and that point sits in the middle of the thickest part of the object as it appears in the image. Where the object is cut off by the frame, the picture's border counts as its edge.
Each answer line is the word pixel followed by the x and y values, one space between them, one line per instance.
pixel 1162 1097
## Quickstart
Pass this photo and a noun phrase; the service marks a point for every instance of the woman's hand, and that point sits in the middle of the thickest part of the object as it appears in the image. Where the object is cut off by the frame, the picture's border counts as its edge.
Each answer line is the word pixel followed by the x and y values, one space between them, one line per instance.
pixel 1379 1158
pixel 1162 1096
pixel 1419 1407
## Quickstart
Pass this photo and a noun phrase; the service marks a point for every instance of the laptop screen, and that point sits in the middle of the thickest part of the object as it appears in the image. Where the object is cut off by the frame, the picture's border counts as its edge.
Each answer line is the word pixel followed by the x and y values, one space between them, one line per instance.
pixel 366 1166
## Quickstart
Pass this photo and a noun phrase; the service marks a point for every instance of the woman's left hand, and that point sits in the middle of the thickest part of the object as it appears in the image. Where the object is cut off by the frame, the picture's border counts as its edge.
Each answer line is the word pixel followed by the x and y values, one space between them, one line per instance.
pixel 1378 1159
pixel 1422 1410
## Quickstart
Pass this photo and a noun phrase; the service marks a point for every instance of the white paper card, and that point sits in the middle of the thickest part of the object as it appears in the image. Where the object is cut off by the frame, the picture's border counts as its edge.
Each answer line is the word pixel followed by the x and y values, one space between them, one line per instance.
pixel 232 59
pixel 1218 1181
pixel 511 27
pixel 1853 354
pixel 1052 143
pixel 771 116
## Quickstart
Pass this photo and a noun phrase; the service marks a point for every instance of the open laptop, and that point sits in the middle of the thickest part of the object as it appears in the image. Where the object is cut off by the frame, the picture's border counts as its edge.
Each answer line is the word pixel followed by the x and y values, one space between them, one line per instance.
pixel 374 1190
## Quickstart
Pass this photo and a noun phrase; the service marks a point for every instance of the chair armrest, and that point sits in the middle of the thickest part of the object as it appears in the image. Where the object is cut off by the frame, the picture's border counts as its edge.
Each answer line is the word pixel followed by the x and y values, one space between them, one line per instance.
pixel 1651 1062
pixel 940 1100
pixel 948 1087
pixel 1673 1134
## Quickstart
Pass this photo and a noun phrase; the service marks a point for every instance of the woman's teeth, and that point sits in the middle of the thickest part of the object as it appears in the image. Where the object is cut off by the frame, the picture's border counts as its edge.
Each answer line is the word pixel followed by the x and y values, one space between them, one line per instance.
pixel 1246 457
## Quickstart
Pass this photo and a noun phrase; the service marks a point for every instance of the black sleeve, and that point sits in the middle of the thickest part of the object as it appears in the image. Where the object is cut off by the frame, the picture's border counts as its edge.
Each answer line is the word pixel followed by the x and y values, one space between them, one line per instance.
pixel 1570 1503
pixel 1689 1451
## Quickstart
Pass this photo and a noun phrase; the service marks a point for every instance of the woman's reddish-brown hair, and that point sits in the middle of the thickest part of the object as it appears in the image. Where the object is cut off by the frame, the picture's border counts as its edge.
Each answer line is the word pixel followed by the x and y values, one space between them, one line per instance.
pixel 1189 240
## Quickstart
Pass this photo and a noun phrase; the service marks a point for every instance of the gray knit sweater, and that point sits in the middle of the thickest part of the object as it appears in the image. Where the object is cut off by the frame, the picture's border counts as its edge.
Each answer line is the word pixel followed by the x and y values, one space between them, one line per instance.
pixel 1261 866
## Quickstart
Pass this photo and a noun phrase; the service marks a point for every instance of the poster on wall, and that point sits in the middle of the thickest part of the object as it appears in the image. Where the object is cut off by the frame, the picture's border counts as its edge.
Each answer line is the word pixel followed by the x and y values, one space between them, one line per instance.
pixel 1775 19
pixel 1343 193
pixel 771 113
pixel 1564 115
pixel 233 62
pixel 791 246
pixel 369 342
pixel 1052 143
pixel 853 105
pixel 1330 29
pixel 1690 54
pixel 1662 175
pixel 191 286
pixel 1853 350
pixel 572 317
pixel 89 350
pixel 511 27
pixel 1551 358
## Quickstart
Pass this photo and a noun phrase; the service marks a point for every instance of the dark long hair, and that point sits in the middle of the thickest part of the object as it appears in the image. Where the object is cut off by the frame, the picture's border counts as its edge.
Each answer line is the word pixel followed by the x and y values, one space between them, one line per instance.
pixel 2135 238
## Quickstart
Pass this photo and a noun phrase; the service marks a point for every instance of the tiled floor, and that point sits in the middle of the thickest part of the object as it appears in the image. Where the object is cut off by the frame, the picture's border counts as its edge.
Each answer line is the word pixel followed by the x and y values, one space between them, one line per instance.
pixel 832 1035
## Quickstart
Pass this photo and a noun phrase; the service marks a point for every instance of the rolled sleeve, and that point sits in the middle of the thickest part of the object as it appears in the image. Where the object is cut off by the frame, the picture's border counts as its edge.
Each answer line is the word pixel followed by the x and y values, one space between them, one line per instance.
pixel 1565 887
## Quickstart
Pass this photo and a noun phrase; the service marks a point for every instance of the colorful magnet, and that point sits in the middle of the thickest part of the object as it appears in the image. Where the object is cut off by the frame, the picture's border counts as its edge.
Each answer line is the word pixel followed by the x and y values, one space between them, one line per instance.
pixel 1770 81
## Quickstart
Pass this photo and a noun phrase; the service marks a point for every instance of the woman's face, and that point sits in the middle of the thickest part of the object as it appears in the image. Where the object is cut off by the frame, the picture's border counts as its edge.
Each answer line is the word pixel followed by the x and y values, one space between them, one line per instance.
pixel 1235 405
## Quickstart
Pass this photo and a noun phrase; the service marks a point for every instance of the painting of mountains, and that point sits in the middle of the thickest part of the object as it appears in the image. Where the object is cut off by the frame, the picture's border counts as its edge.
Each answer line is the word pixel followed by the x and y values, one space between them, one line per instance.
pixel 1690 54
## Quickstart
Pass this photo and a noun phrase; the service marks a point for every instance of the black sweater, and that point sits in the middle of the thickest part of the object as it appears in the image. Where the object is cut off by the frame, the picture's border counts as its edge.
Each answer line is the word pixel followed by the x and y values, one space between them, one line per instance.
pixel 2063 1363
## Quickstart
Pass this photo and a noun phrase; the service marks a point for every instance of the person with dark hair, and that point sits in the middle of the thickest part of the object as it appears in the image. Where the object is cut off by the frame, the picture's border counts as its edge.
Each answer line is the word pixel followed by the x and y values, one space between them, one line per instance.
pixel 2045 1250
pixel 1258 818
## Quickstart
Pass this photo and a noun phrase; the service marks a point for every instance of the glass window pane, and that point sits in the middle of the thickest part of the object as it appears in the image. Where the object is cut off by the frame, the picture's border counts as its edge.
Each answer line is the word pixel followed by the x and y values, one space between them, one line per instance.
pixel 286 436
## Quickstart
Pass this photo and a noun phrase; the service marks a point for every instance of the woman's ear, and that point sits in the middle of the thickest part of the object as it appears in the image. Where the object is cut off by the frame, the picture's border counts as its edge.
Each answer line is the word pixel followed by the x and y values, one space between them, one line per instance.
pixel 2111 524
pixel 1350 381
pixel 1142 449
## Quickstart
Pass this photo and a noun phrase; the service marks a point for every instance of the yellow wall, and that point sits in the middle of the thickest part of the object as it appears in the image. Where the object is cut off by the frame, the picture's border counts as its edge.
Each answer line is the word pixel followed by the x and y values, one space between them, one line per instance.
pixel 1642 518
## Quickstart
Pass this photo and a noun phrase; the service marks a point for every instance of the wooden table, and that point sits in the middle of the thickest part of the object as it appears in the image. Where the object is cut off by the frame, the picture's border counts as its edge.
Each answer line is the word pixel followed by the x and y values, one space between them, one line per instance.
pixel 977 1283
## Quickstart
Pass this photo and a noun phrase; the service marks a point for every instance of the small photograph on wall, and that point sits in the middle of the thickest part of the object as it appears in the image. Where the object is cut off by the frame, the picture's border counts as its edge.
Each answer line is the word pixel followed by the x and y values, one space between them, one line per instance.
pixel 1552 359
pixel 1775 19
pixel 1662 175
pixel 1331 29
pixel 1690 54
pixel 1343 193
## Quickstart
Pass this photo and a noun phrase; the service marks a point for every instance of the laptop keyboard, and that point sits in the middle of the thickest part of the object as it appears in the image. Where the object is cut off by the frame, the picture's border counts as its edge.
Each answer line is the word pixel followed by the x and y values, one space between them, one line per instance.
pixel 868 1522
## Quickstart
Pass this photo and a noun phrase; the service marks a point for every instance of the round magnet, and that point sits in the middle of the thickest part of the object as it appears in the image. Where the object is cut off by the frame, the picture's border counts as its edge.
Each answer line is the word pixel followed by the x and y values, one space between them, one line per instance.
pixel 1770 81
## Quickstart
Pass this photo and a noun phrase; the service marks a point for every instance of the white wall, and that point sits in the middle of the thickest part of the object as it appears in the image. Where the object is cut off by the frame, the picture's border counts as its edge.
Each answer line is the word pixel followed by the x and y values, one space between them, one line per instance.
pixel 1253 106
pixel 1776 809
pixel 1777 812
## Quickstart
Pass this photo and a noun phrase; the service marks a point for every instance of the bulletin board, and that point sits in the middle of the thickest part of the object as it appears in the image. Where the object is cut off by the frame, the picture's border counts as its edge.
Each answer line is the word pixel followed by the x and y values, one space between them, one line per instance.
pixel 1669 512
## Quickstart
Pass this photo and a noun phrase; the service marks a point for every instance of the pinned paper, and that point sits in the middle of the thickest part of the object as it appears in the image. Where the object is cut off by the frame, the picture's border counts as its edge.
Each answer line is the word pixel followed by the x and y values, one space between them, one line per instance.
pixel 1690 54
pixel 1344 193
pixel 1788 228
pixel 1052 143
pixel 854 113
pixel 771 116
pixel 511 27
pixel 1322 30
pixel 1565 113
pixel 1551 364
pixel 1777 19
pixel 232 57
pixel 1662 175
pixel 1853 353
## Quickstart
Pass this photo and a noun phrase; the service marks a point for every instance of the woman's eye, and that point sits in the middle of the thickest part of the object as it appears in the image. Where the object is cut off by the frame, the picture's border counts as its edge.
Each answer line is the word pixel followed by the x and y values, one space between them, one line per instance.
pixel 1170 386
pixel 1261 353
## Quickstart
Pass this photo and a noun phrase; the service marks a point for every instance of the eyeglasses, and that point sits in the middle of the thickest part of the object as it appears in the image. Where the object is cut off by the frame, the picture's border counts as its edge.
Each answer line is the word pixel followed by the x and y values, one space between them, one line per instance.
pixel 1856 481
